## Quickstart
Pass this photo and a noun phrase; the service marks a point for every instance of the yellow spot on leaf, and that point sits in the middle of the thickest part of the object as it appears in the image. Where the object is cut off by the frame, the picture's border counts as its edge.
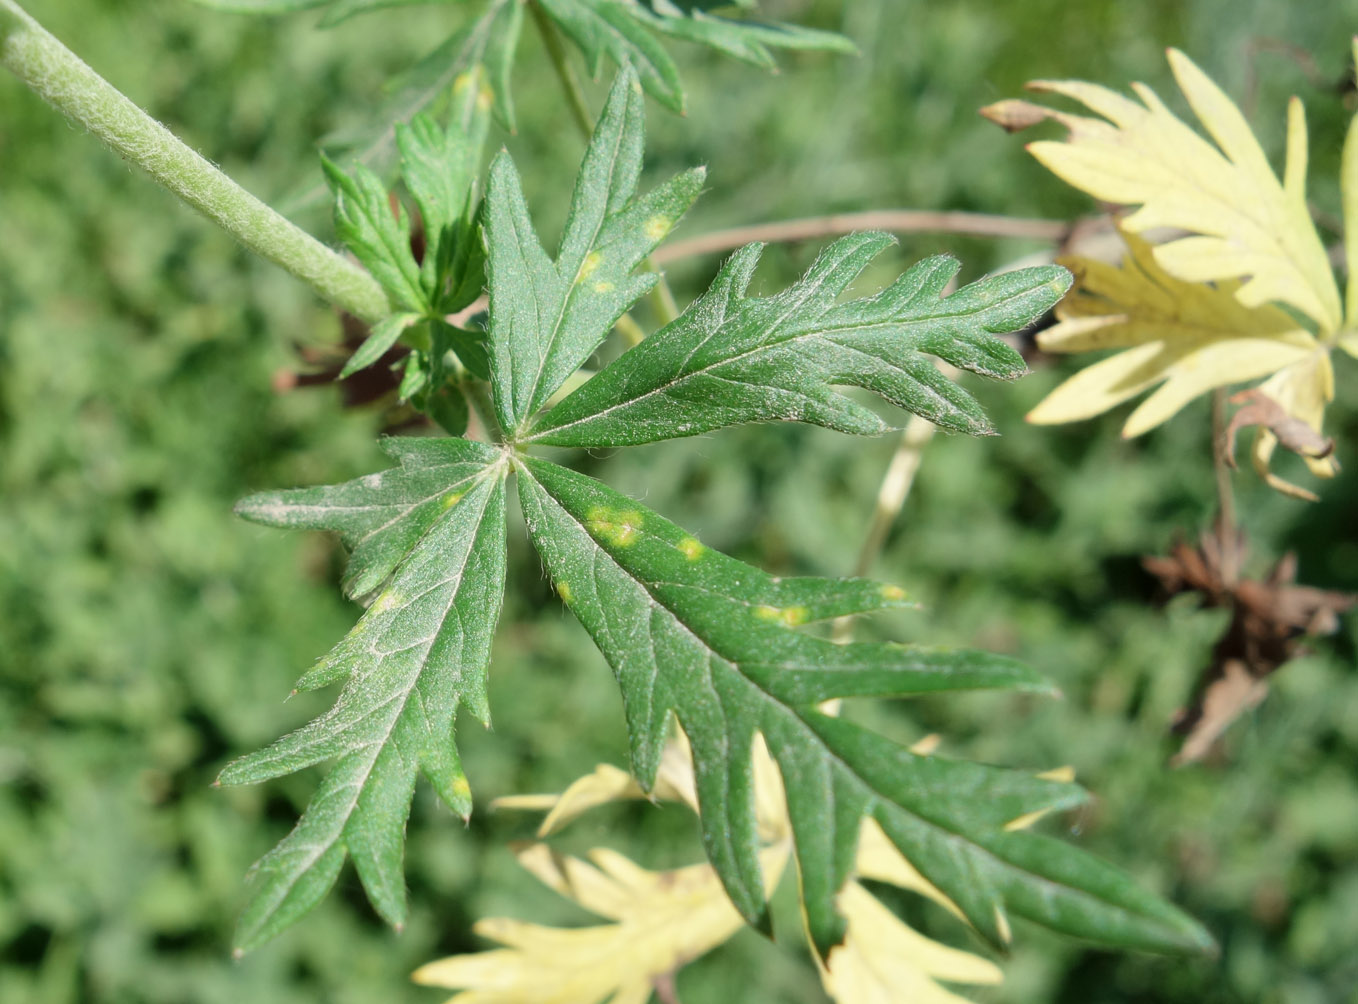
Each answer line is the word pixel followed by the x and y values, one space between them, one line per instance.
pixel 461 789
pixel 588 266
pixel 893 594
pixel 690 548
pixel 786 616
pixel 603 287
pixel 658 226
pixel 452 499
pixel 564 591
pixel 1066 775
pixel 391 598
pixel 618 527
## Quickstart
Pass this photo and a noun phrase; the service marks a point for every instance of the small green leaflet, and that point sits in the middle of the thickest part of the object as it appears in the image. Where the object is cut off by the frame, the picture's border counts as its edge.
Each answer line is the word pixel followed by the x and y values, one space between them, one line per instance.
pixel 624 31
pixel 712 639
pixel 379 238
pixel 547 317
pixel 731 359
pixel 439 168
pixel 433 529
pixel 482 50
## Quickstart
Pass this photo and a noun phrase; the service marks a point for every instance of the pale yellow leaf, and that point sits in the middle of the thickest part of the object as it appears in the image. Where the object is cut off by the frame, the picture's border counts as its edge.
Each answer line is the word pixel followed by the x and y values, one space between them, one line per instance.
pixel 607 783
pixel 1348 184
pixel 884 961
pixel 662 920
pixel 1187 337
pixel 1303 390
pixel 879 859
pixel 1242 222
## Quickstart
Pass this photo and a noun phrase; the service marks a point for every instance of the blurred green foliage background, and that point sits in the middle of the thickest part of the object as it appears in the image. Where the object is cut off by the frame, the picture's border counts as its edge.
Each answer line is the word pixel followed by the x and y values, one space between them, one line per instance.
pixel 147 636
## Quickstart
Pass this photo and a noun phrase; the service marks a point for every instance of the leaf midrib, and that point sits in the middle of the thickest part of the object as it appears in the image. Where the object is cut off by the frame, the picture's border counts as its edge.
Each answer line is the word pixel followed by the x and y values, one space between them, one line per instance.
pixel 764 345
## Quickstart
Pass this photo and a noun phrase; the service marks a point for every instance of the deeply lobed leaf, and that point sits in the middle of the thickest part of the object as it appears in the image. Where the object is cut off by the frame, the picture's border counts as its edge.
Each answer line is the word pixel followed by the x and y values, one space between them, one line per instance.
pixel 661 921
pixel 547 317
pixel 1187 337
pixel 436 526
pixel 625 30
pixel 701 635
pixel 689 632
pixel 1242 223
pixel 732 358
pixel 378 238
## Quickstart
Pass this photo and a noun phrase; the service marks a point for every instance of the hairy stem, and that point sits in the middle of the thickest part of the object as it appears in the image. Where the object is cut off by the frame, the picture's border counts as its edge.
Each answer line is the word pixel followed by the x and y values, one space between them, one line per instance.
pixel 64 81
pixel 893 220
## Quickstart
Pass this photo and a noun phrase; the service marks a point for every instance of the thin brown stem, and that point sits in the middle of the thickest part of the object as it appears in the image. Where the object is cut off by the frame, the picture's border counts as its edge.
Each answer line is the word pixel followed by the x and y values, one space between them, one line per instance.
pixel 1226 518
pixel 893 220
pixel 666 990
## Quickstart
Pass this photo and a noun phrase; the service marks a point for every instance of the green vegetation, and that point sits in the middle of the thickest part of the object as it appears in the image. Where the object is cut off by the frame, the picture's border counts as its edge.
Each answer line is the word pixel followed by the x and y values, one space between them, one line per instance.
pixel 149 636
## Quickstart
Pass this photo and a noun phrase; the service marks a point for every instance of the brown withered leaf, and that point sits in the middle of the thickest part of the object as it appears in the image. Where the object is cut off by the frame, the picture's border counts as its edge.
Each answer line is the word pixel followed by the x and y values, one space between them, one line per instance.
pixel 1270 618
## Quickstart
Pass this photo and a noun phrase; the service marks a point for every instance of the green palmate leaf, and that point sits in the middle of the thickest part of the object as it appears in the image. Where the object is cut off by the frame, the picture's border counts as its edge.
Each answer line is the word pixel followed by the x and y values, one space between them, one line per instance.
pixel 436 526
pixel 749 41
pixel 712 640
pixel 440 167
pixel 625 30
pixel 547 317
pixel 732 359
pixel 606 28
pixel 385 333
pixel 484 48
pixel 378 236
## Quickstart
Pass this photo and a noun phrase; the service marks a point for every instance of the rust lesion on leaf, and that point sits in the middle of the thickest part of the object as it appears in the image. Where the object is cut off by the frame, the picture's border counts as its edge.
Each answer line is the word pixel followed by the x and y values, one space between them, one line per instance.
pixel 619 527
pixel 786 616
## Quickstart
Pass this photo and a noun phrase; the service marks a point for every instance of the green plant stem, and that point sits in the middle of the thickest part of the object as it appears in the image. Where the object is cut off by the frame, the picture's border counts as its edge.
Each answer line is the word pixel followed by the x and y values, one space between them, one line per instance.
pixel 67 83
pixel 477 393
pixel 662 297
pixel 570 85
pixel 630 330
pixel 891 496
